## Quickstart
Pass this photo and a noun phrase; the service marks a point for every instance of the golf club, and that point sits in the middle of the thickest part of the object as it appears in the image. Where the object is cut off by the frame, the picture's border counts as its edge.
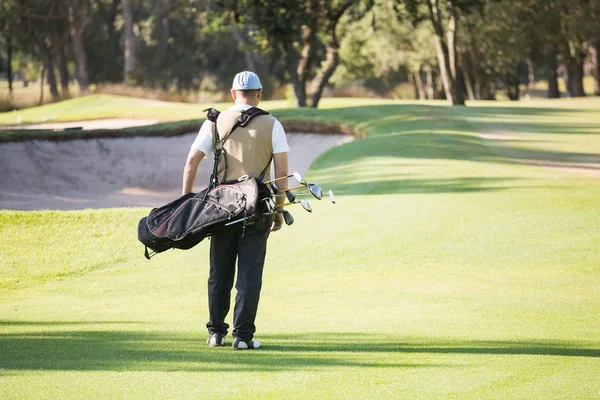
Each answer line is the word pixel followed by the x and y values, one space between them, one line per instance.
pixel 303 203
pixel 274 188
pixel 292 197
pixel 287 217
pixel 270 204
pixel 313 188
pixel 331 196
pixel 295 175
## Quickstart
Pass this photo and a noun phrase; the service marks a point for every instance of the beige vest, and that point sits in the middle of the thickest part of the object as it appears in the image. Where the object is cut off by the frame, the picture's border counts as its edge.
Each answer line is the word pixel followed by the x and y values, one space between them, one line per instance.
pixel 248 148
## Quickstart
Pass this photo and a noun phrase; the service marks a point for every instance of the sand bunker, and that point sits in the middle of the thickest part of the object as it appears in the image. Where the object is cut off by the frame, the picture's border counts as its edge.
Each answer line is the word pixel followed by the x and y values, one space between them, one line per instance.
pixel 103 173
pixel 114 123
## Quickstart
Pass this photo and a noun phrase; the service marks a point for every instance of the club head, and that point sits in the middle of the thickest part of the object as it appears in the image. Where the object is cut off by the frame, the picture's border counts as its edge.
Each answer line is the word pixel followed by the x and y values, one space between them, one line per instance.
pixel 331 196
pixel 290 196
pixel 299 178
pixel 305 205
pixel 287 217
pixel 270 204
pixel 274 187
pixel 315 190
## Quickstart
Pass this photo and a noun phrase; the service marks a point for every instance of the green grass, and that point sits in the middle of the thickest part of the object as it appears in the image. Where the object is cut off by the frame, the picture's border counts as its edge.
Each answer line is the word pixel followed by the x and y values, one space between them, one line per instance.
pixel 461 261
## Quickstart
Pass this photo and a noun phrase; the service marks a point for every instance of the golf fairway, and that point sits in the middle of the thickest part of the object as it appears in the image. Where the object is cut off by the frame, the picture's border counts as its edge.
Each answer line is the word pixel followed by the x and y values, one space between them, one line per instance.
pixel 459 261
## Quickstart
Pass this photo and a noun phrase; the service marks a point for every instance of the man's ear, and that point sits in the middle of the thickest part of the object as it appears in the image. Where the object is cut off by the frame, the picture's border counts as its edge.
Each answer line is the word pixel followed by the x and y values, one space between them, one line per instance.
pixel 259 94
pixel 233 94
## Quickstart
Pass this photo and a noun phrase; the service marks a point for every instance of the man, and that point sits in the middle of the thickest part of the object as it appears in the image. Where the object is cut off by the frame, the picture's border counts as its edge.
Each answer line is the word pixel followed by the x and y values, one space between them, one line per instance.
pixel 249 150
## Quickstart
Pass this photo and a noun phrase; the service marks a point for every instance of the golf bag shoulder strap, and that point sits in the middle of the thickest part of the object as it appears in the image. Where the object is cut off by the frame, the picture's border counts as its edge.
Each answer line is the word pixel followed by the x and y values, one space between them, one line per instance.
pixel 244 119
pixel 250 113
pixel 264 171
pixel 246 116
pixel 212 114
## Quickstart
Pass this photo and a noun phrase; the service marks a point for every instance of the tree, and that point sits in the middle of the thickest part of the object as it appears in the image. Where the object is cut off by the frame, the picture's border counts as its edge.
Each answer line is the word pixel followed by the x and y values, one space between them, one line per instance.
pixel 333 12
pixel 161 9
pixel 444 16
pixel 78 21
pixel 380 49
pixel 7 27
pixel 129 42
pixel 595 58
pixel 574 33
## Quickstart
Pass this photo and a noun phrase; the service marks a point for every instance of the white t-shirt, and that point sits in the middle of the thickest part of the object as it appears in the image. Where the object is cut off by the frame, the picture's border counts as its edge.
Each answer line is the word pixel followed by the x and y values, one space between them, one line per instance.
pixel 204 140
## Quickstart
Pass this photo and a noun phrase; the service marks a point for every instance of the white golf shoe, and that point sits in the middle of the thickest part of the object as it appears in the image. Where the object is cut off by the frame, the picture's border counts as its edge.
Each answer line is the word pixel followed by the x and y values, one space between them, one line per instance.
pixel 241 344
pixel 215 340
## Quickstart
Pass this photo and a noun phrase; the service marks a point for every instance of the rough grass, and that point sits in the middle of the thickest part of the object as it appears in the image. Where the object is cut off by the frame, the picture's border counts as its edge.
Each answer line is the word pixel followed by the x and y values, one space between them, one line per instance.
pixel 451 267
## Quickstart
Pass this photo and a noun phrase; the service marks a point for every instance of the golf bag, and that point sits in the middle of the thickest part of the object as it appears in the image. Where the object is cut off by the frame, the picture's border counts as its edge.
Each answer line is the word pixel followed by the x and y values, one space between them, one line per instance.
pixel 185 222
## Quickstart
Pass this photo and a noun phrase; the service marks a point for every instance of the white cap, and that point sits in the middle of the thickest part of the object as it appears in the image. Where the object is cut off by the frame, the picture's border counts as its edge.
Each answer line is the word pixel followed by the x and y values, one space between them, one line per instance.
pixel 246 81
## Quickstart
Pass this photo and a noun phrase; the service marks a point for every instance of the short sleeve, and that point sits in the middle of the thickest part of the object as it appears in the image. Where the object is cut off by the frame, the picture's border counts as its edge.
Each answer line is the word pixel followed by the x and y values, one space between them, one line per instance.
pixel 204 140
pixel 280 144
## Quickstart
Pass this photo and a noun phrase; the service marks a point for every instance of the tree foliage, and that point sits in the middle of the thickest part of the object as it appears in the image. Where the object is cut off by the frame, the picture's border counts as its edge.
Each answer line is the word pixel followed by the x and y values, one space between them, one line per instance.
pixel 446 48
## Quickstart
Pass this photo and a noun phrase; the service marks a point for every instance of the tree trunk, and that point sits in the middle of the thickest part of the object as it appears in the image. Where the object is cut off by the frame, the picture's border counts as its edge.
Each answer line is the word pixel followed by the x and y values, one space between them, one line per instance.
pixel 306 56
pixel 77 30
pixel 129 47
pixel 78 18
pixel 512 86
pixel 444 69
pixel 332 60
pixel 455 70
pixel 530 75
pixel 240 37
pixel 575 74
pixel 309 39
pixel 468 73
pixel 595 57
pixel 109 15
pixel 162 26
pixel 9 72
pixel 299 92
pixel 553 92
pixel 63 67
pixel 430 84
pixel 63 71
pixel 49 66
pixel 446 56
pixel 42 85
pixel 419 87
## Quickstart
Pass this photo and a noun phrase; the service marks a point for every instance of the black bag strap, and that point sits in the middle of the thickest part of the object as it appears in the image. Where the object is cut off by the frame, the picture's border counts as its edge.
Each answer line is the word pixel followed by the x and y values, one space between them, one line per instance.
pixel 147 254
pixel 264 171
pixel 245 117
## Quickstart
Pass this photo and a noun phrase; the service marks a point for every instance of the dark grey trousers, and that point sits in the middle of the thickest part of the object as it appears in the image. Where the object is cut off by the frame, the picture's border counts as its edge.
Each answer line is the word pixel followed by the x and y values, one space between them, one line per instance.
pixel 249 248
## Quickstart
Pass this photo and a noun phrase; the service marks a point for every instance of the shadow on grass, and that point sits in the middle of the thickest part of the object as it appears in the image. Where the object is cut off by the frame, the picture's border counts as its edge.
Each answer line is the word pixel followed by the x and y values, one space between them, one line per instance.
pixel 402 133
pixel 352 342
pixel 384 118
pixel 136 350
pixel 364 185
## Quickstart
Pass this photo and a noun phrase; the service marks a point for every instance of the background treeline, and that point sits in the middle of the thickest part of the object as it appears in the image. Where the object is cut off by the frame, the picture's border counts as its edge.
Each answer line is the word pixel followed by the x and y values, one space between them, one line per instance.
pixel 447 49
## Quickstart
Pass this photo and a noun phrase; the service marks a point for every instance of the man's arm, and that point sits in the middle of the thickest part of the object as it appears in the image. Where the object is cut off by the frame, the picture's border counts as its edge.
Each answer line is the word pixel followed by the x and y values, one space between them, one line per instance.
pixel 280 161
pixel 191 168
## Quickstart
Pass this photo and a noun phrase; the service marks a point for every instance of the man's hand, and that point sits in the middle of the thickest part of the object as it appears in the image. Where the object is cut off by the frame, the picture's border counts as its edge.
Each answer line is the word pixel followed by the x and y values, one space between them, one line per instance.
pixel 280 162
pixel 277 222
